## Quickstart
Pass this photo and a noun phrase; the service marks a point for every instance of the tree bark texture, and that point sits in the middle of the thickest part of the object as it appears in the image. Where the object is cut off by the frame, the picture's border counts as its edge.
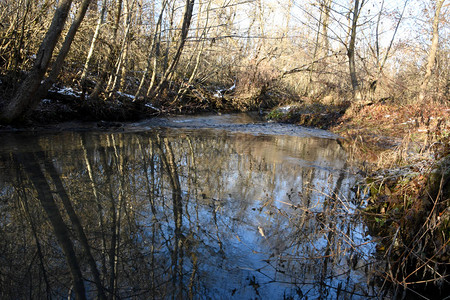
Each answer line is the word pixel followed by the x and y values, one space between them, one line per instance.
pixel 92 47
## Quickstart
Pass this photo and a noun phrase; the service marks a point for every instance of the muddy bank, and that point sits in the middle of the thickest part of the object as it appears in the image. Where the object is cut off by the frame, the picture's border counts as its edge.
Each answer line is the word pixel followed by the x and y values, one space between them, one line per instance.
pixel 62 104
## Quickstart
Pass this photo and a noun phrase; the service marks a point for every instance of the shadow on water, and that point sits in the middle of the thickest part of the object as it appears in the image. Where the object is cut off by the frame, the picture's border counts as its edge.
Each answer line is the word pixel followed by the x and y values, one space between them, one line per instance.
pixel 179 213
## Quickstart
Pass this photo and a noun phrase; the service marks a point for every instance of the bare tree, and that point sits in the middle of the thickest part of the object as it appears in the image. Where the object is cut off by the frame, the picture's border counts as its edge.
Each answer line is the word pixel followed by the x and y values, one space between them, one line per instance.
pixel 24 97
pixel 59 61
pixel 325 6
pixel 432 52
pixel 351 49
pixel 154 51
pixel 112 53
pixel 100 22
pixel 189 6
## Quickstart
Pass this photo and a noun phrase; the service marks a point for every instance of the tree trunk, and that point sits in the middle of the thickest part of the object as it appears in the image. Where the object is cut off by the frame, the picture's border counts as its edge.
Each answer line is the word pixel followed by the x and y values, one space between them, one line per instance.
pixel 24 96
pixel 58 63
pixel 325 45
pixel 92 47
pixel 316 50
pixel 120 72
pixel 182 91
pixel 154 51
pixel 184 32
pixel 433 51
pixel 111 55
pixel 351 51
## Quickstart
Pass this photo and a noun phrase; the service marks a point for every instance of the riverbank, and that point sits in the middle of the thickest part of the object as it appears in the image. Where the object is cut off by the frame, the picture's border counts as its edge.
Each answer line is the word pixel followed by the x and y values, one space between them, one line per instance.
pixel 404 154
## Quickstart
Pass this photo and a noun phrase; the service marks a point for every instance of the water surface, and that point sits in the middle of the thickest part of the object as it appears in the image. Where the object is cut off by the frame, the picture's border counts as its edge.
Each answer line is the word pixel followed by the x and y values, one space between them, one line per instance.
pixel 198 207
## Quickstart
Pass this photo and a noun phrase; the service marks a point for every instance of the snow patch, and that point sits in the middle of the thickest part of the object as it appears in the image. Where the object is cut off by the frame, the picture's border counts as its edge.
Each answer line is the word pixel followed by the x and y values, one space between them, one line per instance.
pixel 151 106
pixel 126 95
pixel 68 91
pixel 220 92
pixel 286 108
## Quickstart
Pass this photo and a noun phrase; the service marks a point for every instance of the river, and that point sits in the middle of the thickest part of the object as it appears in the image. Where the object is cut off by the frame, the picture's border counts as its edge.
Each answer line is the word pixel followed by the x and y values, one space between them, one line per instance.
pixel 206 207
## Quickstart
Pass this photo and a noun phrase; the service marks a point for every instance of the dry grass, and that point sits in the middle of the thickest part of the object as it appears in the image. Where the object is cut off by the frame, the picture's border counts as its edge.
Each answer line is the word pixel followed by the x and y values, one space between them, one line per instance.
pixel 405 150
pixel 395 134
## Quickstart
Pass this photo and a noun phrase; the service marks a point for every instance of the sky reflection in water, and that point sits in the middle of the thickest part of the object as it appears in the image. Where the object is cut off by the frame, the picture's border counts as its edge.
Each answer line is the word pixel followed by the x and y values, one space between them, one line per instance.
pixel 182 213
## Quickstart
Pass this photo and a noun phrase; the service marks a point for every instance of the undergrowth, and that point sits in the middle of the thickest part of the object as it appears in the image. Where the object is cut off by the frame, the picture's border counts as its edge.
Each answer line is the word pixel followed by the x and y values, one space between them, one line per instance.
pixel 405 155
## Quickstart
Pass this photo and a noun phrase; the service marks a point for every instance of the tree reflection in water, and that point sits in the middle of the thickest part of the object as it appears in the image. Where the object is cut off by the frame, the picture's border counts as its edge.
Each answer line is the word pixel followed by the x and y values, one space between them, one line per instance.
pixel 179 214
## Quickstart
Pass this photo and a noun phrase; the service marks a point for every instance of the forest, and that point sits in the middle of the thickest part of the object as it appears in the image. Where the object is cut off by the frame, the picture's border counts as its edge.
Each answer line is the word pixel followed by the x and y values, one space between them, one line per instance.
pixel 375 72
pixel 220 55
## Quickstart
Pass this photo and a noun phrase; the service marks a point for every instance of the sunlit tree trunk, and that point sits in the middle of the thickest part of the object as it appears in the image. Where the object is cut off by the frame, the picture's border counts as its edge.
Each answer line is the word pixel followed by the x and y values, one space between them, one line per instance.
pixel 153 53
pixel 321 44
pixel 58 63
pixel 325 6
pixel 315 53
pixel 126 45
pixel 109 66
pixel 100 22
pixel 433 51
pixel 120 68
pixel 189 6
pixel 182 91
pixel 24 97
pixel 351 49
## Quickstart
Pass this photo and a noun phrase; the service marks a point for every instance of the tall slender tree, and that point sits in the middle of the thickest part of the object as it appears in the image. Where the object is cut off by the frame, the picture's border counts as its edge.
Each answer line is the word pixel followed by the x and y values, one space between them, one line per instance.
pixel 59 61
pixel 432 52
pixel 189 7
pixel 351 49
pixel 100 22
pixel 112 53
pixel 24 98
